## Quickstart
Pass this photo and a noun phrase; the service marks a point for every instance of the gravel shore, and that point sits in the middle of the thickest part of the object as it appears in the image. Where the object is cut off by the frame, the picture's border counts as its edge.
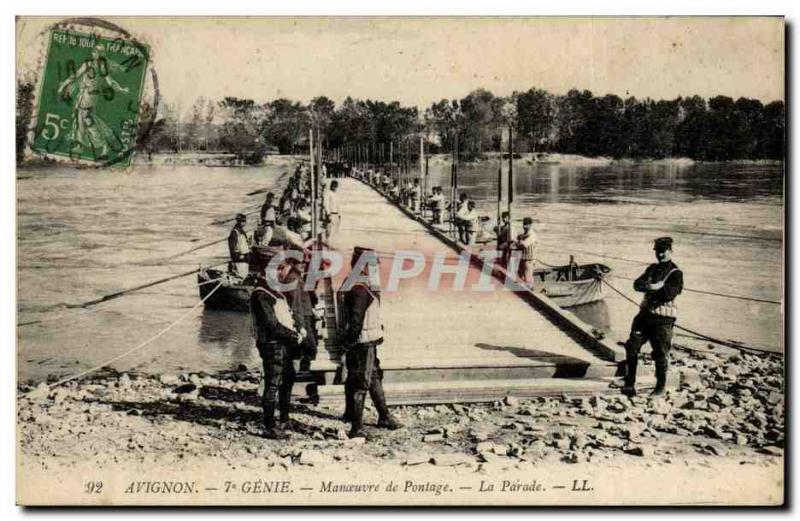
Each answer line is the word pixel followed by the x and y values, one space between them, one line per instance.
pixel 730 405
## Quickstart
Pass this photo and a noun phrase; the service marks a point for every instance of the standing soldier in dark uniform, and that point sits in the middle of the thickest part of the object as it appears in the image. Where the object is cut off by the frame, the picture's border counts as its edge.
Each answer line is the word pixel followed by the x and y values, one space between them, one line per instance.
pixel 660 283
pixel 363 333
pixel 504 240
pixel 301 302
pixel 277 340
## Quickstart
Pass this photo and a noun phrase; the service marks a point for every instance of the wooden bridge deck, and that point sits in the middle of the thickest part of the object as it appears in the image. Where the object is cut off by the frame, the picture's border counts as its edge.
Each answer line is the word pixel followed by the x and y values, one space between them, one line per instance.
pixel 494 339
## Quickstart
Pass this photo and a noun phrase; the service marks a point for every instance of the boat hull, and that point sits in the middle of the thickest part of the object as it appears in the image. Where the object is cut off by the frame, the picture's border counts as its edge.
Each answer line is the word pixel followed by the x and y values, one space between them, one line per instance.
pixel 230 296
pixel 570 286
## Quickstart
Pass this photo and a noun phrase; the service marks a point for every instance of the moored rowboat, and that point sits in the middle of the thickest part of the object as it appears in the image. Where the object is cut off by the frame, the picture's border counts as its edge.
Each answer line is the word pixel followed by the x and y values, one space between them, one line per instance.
pixel 231 295
pixel 571 285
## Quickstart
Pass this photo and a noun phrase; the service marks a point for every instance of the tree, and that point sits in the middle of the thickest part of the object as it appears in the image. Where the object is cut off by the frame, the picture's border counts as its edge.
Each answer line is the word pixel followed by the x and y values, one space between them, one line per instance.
pixel 193 128
pixel 208 133
pixel 536 113
pixel 747 121
pixel 721 141
pixel 573 110
pixel 286 124
pixel 446 118
pixel 481 115
pixel 240 132
pixel 690 132
pixel 604 130
pixel 771 131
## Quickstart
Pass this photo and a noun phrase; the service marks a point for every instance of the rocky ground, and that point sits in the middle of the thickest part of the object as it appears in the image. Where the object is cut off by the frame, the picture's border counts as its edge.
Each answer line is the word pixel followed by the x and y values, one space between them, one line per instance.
pixel 730 405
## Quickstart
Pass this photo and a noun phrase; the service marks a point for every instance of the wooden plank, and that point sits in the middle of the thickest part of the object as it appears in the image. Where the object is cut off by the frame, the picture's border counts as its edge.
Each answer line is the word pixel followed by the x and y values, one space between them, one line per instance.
pixel 412 393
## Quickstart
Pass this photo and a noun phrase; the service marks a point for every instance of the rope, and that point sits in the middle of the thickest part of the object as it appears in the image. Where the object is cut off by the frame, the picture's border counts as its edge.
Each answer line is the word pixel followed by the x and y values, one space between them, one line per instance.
pixel 69 311
pixel 231 219
pixel 118 294
pixel 725 343
pixel 129 351
pixel 633 261
pixel 202 246
pixel 716 294
pixel 61 316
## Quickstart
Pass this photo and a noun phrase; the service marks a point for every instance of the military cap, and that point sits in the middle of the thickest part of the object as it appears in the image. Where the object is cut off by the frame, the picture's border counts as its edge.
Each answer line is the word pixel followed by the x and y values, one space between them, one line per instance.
pixel 527 220
pixel 241 217
pixel 663 243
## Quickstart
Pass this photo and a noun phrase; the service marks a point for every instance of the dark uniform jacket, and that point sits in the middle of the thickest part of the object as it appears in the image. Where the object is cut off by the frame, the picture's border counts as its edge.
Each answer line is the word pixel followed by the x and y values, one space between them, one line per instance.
pixel 503 235
pixel 268 328
pixel 656 273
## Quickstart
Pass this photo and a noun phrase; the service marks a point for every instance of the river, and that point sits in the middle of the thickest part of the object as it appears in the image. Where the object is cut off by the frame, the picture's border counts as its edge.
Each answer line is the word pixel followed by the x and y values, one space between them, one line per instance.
pixel 87 233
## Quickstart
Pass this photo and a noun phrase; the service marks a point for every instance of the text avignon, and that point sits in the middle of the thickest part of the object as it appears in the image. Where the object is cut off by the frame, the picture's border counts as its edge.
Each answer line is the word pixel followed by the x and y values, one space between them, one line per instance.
pixel 161 487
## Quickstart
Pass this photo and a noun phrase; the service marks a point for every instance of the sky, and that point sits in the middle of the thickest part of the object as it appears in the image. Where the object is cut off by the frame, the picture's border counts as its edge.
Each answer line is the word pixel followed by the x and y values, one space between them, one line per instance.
pixel 421 60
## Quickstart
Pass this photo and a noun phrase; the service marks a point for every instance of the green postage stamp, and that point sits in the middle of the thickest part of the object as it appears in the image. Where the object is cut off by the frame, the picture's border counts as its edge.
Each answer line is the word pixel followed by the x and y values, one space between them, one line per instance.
pixel 89 101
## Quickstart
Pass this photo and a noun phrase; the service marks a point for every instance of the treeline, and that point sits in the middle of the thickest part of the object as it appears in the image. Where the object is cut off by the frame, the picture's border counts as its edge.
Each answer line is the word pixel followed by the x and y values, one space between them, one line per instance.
pixel 577 122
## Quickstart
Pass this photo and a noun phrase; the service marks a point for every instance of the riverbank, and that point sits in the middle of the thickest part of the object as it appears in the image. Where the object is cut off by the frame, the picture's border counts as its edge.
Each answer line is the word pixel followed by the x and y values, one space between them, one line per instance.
pixel 546 158
pixel 528 158
pixel 729 409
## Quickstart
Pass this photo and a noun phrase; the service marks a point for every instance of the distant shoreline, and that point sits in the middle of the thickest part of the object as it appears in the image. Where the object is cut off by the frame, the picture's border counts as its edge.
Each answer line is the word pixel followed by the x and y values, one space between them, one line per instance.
pixel 528 158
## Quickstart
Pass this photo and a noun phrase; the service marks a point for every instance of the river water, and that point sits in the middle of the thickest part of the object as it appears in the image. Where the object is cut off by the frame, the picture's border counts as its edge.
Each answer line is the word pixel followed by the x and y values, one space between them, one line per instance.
pixel 83 234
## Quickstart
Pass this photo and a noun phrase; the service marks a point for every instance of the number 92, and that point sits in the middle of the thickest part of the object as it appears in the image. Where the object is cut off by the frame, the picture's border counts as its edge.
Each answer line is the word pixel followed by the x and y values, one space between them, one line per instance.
pixel 93 487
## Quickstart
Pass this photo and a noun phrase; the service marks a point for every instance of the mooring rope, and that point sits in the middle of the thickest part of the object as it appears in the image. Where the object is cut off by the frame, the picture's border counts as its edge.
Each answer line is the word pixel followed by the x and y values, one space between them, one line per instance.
pixel 70 309
pixel 716 294
pixel 132 350
pixel 725 343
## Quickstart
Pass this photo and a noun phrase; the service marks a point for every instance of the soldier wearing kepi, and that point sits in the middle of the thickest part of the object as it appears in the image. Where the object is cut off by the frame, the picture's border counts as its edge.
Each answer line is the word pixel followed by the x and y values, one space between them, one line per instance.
pixel 661 283
pixel 277 340
pixel 239 247
pixel 363 333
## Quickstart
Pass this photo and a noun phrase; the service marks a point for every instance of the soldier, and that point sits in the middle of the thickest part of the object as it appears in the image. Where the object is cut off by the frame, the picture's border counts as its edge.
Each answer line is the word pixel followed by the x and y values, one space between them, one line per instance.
pixel 503 231
pixel 470 222
pixel 330 208
pixel 526 242
pixel 268 210
pixel 277 341
pixel 461 209
pixel 363 333
pixel 266 228
pixel 300 301
pixel 303 219
pixel 416 196
pixel 661 283
pixel 437 203
pixel 239 247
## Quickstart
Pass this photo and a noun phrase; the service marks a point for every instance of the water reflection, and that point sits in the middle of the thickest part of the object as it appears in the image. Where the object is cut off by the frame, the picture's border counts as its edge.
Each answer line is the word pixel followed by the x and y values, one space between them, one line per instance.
pixel 227 332
pixel 564 182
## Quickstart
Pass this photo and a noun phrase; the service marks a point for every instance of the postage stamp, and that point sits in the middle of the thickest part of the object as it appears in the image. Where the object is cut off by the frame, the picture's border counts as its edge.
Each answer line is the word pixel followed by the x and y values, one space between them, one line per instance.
pixel 90 98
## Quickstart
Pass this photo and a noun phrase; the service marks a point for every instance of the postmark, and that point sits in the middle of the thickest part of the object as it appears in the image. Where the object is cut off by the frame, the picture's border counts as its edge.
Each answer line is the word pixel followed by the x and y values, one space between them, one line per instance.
pixel 90 104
